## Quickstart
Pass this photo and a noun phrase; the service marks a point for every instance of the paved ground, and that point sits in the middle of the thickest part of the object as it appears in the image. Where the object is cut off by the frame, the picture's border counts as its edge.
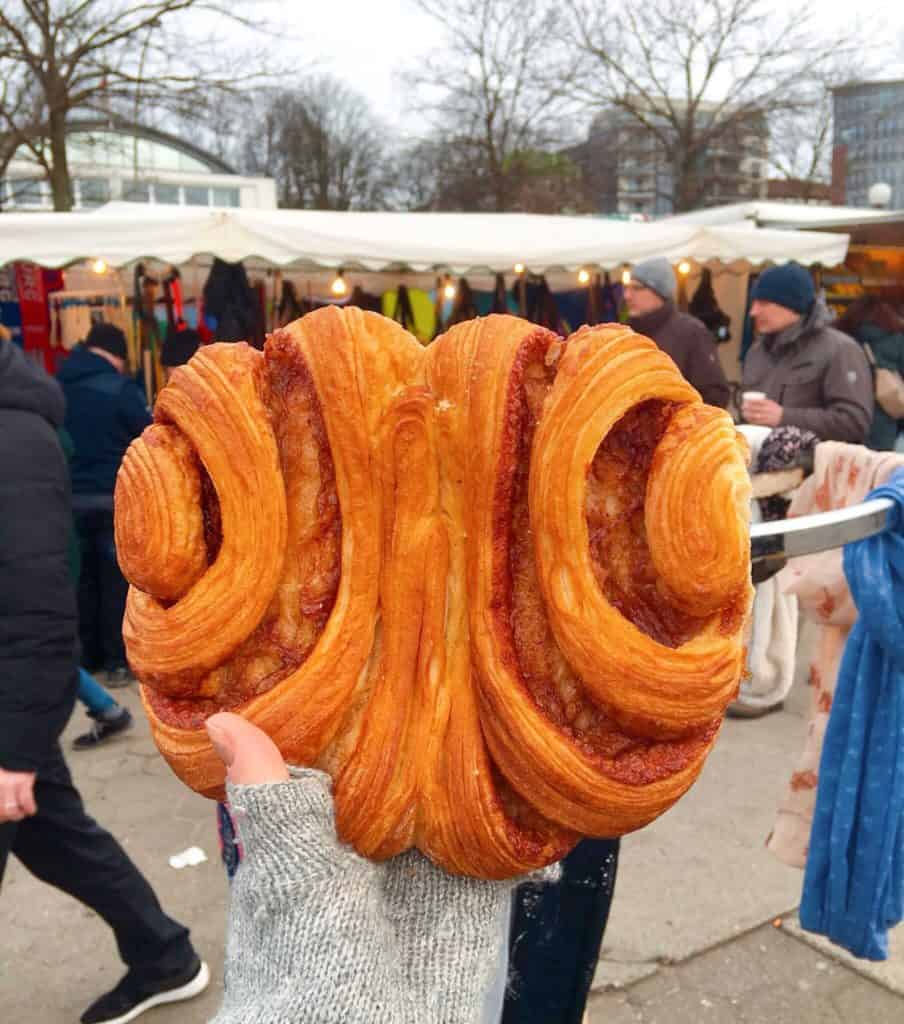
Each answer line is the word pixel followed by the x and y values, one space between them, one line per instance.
pixel 765 977
pixel 690 940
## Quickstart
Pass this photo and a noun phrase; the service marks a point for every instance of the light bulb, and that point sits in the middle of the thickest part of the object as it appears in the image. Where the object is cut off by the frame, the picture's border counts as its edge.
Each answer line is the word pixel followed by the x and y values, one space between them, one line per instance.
pixel 339 287
pixel 684 268
pixel 583 276
pixel 99 266
pixel 519 268
pixel 449 291
pixel 626 277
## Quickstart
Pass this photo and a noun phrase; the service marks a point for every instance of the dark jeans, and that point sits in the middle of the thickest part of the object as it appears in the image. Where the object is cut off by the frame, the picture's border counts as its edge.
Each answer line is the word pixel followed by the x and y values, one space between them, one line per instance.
pixel 102 591
pixel 61 845
pixel 556 935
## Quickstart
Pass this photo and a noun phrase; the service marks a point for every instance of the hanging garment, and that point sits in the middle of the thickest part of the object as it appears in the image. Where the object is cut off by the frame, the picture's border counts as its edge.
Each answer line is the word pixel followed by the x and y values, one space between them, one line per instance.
pixel 610 301
pixel 290 306
pixel 773 636
pixel 572 308
pixel 10 314
pixel 231 306
pixel 364 300
pixel 843 475
pixel 500 296
pixel 705 307
pixel 463 307
pixel 172 300
pixel 413 309
pixel 854 880
pixel 542 307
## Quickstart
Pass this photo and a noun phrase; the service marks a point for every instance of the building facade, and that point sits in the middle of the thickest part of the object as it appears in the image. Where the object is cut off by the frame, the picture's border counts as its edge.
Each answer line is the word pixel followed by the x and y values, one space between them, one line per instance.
pixel 117 160
pixel 868 141
pixel 628 171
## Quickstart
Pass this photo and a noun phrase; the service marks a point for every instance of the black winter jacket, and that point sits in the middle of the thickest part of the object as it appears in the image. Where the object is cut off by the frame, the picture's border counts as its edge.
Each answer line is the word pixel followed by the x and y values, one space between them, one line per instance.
pixel 105 412
pixel 37 601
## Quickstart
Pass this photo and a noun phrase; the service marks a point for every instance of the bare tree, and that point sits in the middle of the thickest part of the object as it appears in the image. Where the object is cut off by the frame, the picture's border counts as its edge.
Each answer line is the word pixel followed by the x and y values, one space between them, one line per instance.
pixel 324 146
pixel 699 75
pixel 107 56
pixel 501 86
pixel 800 145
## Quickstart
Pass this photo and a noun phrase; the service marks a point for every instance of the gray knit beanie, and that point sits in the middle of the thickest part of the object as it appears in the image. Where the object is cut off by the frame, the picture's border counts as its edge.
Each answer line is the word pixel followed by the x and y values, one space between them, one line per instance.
pixel 657 275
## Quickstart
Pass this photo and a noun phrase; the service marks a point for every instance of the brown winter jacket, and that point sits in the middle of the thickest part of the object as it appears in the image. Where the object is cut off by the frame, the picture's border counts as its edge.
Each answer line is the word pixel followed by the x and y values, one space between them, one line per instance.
pixel 819 376
pixel 691 348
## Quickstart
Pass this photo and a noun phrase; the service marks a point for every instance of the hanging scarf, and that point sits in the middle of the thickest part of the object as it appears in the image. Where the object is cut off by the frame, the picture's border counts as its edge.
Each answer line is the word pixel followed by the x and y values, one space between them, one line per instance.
pixel 854 881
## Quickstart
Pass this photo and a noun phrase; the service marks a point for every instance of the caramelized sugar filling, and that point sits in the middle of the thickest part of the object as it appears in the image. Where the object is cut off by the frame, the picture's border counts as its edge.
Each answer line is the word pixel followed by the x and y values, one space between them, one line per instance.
pixel 210 514
pixel 616 489
pixel 528 830
pixel 304 598
pixel 556 690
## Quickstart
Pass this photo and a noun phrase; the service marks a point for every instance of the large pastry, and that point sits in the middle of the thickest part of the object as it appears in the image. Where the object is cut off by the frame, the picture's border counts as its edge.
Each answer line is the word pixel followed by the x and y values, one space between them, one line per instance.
pixel 496 587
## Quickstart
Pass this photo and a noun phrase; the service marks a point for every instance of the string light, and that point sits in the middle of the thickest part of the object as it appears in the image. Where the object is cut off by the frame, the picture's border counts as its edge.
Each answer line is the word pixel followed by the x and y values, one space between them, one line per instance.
pixel 449 290
pixel 684 268
pixel 99 266
pixel 583 276
pixel 519 268
pixel 339 287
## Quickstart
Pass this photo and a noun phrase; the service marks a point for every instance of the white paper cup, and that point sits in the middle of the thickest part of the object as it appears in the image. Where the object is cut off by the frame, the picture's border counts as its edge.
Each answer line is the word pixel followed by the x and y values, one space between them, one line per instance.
pixel 753 396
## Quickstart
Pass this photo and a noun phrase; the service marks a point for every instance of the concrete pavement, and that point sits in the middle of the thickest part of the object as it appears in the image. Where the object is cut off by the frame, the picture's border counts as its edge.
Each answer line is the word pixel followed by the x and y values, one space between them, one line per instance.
pixel 690 939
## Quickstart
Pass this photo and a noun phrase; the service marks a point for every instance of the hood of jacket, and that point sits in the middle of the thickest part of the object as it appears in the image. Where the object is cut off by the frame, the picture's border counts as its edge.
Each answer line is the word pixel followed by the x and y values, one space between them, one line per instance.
pixel 819 317
pixel 25 387
pixel 81 364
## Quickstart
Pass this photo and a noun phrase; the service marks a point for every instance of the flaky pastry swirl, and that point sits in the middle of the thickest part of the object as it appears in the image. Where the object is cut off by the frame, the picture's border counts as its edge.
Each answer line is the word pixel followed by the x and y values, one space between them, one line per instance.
pixel 495 587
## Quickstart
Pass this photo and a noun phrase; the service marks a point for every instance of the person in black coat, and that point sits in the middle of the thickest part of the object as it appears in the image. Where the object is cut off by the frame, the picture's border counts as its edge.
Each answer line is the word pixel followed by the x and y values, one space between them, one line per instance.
pixel 42 820
pixel 105 412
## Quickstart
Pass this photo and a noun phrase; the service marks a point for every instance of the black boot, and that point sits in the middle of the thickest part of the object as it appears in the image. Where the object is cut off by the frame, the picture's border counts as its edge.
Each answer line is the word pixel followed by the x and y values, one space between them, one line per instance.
pixel 106 725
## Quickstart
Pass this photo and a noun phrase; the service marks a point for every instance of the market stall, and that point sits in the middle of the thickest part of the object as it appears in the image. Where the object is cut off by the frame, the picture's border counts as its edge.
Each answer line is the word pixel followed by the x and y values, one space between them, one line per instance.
pixel 563 271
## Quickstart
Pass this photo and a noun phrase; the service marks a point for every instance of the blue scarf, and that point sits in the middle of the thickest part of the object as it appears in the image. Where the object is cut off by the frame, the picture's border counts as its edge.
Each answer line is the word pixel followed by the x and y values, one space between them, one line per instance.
pixel 854 880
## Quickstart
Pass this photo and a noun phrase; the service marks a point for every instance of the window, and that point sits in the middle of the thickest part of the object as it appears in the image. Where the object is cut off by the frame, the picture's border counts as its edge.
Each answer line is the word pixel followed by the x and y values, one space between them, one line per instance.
pixel 197 195
pixel 167 194
pixel 136 191
pixel 92 191
pixel 25 192
pixel 225 196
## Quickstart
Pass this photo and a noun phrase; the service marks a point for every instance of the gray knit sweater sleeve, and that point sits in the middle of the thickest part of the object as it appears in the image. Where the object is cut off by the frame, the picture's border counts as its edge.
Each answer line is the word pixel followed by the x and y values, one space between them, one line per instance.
pixel 319 935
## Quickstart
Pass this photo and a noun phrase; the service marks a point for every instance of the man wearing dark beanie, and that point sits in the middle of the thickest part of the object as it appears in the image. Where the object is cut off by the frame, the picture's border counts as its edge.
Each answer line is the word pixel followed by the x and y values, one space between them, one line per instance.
pixel 800 372
pixel 105 412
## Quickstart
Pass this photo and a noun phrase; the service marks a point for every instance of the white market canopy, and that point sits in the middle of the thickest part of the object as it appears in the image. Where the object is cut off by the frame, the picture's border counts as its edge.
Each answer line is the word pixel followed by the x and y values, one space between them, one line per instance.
pixel 122 233
pixel 773 213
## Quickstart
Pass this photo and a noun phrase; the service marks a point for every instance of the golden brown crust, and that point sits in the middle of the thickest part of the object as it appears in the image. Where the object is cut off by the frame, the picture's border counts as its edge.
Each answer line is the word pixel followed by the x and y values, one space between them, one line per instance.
pixel 500 592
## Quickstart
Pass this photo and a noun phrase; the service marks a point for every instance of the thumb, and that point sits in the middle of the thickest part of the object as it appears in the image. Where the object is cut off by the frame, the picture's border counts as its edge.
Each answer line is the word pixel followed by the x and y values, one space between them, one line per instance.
pixel 249 754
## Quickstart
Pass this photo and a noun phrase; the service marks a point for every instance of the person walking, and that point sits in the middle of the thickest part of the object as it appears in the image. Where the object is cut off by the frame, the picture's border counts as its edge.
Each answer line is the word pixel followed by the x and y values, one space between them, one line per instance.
pixel 800 372
pixel 874 323
pixel 110 717
pixel 650 298
pixel 105 412
pixel 43 822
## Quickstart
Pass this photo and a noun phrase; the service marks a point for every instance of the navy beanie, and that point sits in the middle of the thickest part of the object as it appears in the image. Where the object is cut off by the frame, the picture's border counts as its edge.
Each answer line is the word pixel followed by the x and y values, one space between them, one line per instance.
pixel 107 337
pixel 789 285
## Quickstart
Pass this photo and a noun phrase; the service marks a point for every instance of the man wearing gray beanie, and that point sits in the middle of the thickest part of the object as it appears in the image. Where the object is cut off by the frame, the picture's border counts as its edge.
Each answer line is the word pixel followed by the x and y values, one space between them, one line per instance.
pixel 800 372
pixel 650 298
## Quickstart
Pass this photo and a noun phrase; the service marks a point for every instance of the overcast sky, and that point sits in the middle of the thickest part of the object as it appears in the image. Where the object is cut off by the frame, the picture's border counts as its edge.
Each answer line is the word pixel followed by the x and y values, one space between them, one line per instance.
pixel 365 41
